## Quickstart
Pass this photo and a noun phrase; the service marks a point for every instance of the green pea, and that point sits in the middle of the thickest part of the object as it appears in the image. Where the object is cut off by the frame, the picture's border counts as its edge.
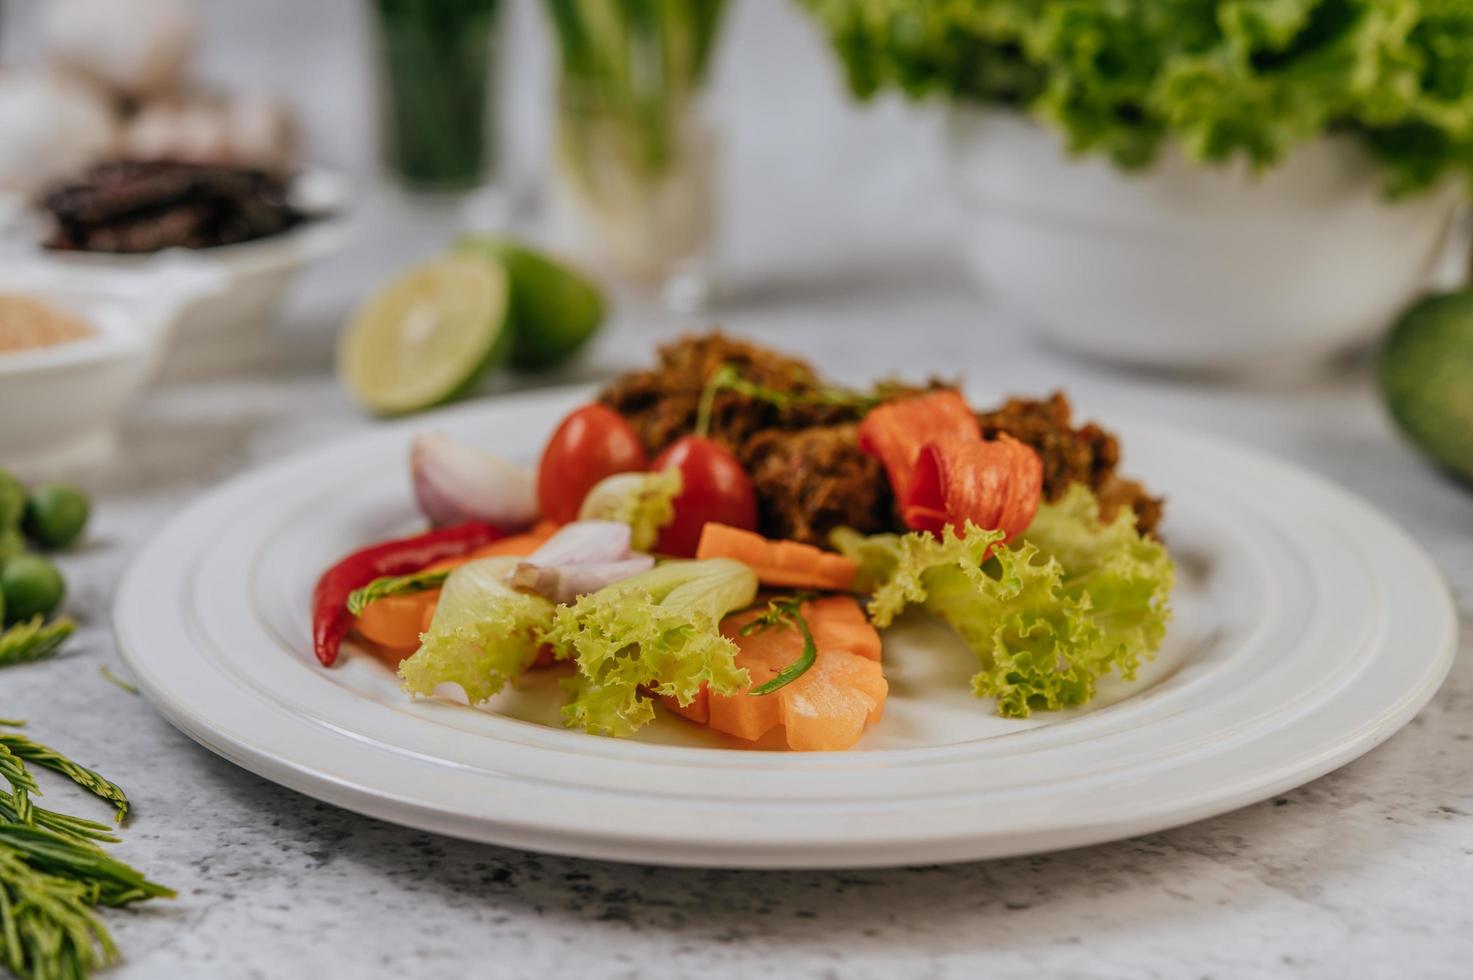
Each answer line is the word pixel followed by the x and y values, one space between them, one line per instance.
pixel 31 585
pixel 12 501
pixel 55 515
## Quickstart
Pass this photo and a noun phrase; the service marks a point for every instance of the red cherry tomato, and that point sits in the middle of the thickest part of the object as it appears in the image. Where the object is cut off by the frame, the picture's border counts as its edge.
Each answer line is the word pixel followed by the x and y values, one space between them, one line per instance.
pixel 590 444
pixel 714 488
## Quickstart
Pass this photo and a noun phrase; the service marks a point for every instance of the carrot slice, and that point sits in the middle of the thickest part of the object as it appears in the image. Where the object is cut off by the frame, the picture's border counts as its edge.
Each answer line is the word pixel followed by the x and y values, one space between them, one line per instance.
pixel 838 622
pixel 787 564
pixel 826 708
pixel 699 709
pixel 396 621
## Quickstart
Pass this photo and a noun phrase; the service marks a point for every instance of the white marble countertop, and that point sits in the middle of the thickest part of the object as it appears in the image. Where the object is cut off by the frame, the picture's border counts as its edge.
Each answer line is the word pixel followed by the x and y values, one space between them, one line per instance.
pixel 1367 872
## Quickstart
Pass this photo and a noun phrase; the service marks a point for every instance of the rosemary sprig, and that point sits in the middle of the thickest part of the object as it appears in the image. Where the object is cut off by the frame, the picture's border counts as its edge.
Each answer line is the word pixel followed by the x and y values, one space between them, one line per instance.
pixel 106 673
pixel 34 640
pixel 786 611
pixel 53 873
pixel 728 378
pixel 48 928
pixel 23 748
pixel 77 828
pixel 109 882
pixel 389 585
pixel 22 783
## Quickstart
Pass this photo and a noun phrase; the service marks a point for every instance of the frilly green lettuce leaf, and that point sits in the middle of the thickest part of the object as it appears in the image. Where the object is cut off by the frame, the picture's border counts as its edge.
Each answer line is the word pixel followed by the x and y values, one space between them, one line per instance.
pixel 877 555
pixel 1223 79
pixel 1047 617
pixel 1123 576
pixel 655 633
pixel 484 633
pixel 644 501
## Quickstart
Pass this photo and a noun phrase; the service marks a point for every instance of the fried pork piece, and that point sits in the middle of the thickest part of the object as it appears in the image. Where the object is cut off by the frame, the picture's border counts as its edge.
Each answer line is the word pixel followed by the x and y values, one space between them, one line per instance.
pixel 810 481
pixel 662 403
pixel 1117 492
pixel 1087 455
pixel 145 206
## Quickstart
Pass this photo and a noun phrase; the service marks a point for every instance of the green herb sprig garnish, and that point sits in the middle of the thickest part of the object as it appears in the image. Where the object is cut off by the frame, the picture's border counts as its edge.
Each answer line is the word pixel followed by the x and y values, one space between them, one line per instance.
pixel 728 378
pixel 33 640
pixel 106 673
pixel 786 611
pixel 388 585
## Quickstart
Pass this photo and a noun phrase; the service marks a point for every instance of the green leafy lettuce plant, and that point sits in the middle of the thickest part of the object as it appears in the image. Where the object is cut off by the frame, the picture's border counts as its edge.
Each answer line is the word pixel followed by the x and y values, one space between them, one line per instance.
pixel 1223 79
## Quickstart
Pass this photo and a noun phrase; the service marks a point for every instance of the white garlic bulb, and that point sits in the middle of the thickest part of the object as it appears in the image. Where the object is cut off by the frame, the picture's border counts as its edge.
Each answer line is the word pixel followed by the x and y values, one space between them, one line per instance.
pixel 53 127
pixel 251 131
pixel 133 47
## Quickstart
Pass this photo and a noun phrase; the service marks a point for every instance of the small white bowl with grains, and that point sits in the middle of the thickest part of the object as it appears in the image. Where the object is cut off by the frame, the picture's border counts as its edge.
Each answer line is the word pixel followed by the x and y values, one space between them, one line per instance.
pixel 76 348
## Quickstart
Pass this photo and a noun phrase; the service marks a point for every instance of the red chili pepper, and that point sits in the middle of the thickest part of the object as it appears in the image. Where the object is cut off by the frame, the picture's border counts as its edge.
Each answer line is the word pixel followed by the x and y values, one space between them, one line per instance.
pixel 330 618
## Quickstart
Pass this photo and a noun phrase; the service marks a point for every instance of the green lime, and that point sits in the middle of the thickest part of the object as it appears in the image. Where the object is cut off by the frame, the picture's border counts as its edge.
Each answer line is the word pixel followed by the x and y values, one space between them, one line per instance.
pixel 12 500
pixel 1426 374
pixel 428 336
pixel 56 515
pixel 31 585
pixel 555 309
pixel 12 543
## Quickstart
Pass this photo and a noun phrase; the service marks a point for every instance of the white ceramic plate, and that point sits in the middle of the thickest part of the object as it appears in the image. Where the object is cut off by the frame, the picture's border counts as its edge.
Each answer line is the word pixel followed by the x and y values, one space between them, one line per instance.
pixel 1308 629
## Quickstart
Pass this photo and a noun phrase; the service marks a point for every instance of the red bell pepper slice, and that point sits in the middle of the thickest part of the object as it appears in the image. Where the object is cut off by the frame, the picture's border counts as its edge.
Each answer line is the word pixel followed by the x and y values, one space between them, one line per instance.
pixel 896 431
pixel 995 485
pixel 330 618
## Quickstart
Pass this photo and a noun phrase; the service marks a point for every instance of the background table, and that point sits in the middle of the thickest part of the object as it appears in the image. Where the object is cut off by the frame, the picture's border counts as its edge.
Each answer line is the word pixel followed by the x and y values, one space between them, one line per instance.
pixel 837 249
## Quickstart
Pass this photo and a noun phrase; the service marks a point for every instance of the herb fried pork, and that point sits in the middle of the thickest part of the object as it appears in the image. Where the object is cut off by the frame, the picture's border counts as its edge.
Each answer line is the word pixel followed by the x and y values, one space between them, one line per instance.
pixel 662 403
pixel 800 445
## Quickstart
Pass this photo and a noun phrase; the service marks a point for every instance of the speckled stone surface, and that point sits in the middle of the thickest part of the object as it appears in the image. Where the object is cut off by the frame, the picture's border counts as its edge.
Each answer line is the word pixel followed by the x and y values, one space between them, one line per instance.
pixel 1367 872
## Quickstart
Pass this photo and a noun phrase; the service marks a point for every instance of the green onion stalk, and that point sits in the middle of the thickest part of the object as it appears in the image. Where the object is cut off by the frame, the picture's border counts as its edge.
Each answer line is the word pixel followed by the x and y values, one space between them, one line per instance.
pixel 436 61
pixel 636 157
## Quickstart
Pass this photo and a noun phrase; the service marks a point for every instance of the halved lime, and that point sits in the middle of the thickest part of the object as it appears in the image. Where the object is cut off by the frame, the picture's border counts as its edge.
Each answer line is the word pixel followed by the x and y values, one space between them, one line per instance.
pixel 555 309
pixel 428 336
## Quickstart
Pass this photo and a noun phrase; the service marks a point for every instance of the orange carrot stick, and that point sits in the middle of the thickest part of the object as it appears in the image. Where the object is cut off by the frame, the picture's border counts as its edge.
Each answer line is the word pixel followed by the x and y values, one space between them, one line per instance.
pixel 396 621
pixel 786 564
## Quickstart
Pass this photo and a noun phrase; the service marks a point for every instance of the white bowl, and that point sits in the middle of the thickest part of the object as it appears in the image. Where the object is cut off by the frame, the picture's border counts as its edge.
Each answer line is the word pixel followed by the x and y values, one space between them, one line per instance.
pixel 1184 266
pixel 231 330
pixel 61 405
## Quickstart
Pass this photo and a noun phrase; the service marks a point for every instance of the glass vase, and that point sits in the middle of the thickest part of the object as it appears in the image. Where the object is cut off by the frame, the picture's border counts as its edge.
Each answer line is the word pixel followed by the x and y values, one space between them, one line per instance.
pixel 436 78
pixel 636 150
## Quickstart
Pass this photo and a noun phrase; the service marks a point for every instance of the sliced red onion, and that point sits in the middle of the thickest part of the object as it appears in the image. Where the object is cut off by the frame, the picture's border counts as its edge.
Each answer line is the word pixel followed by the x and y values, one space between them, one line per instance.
pixel 584 543
pixel 565 583
pixel 454 482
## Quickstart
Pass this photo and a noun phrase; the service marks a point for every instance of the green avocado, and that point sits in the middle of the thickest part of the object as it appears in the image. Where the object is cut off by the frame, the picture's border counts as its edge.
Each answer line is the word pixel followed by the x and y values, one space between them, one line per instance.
pixel 1426 375
pixel 554 309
